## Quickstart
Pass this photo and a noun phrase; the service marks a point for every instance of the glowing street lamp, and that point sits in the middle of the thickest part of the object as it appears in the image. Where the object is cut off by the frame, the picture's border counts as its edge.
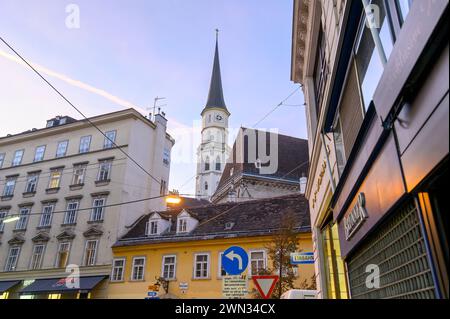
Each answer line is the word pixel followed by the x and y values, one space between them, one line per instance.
pixel 173 198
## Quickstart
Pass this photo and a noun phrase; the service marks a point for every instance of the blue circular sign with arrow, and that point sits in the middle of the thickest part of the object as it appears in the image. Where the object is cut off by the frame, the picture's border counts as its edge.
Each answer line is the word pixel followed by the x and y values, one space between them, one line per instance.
pixel 234 260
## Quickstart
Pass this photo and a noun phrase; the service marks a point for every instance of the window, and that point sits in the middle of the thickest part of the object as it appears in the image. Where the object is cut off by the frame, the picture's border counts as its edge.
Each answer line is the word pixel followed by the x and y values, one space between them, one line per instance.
pixel 46 217
pixel 182 225
pixel 62 257
pixel 110 139
pixel 55 179
pixel 320 71
pixel 39 153
pixel 169 266
pixel 257 262
pixel 207 163
pixel 17 159
pixel 403 7
pixel 218 166
pixel 2 159
pixel 90 252
pixel 3 214
pixel 201 266
pixel 152 227
pixel 37 256
pixel 118 269
pixel 78 174
pixel 23 218
pixel 138 268
pixel 206 186
pixel 104 171
pixel 222 271
pixel 10 184
pixel 97 209
pixel 70 216
pixel 166 157
pixel 163 187
pixel 339 147
pixel 85 144
pixel 61 149
pixel 370 60
pixel 31 185
pixel 11 261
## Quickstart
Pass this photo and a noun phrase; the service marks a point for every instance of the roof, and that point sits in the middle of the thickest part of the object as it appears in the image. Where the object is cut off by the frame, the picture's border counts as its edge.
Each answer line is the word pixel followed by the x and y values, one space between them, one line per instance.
pixel 250 218
pixel 215 95
pixel 293 159
pixel 189 202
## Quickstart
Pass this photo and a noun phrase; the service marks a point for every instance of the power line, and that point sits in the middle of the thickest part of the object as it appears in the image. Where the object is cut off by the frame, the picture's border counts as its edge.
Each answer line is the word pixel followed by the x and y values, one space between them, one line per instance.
pixel 81 113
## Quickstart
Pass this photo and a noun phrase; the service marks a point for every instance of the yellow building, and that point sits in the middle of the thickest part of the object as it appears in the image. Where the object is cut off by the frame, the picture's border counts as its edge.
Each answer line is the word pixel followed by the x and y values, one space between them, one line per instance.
pixel 185 246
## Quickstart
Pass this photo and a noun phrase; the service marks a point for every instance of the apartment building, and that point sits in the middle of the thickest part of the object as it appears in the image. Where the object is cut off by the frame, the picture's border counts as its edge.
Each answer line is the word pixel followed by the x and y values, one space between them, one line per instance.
pixel 375 77
pixel 59 186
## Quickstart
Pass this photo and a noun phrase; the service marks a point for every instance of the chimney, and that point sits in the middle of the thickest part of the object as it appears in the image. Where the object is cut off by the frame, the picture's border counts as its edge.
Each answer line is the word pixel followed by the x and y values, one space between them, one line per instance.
pixel 303 181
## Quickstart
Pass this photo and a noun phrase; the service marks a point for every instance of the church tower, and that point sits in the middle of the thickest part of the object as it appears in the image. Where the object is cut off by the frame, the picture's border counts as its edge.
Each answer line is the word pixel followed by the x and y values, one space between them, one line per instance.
pixel 213 150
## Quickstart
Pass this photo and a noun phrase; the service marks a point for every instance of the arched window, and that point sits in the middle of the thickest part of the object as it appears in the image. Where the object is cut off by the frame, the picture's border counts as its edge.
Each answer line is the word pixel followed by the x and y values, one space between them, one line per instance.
pixel 207 163
pixel 218 163
pixel 206 186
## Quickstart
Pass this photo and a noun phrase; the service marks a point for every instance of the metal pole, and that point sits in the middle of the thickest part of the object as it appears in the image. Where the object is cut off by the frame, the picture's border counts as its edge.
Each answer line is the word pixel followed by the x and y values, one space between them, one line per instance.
pixel 375 34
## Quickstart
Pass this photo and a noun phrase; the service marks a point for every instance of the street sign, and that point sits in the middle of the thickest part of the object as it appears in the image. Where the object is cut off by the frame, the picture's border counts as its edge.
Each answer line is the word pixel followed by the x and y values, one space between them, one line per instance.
pixel 302 258
pixel 183 285
pixel 234 287
pixel 152 294
pixel 265 285
pixel 234 260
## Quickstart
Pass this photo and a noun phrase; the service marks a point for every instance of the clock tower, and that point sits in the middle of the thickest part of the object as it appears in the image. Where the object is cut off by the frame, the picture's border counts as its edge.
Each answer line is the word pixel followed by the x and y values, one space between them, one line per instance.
pixel 213 150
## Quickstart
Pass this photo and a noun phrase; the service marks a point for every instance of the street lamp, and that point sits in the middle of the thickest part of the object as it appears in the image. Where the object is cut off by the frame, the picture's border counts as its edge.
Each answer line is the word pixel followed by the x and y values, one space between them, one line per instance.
pixel 173 198
pixel 11 219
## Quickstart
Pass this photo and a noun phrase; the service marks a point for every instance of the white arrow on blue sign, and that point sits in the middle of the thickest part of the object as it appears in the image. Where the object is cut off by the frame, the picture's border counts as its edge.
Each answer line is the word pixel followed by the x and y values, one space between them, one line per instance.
pixel 234 260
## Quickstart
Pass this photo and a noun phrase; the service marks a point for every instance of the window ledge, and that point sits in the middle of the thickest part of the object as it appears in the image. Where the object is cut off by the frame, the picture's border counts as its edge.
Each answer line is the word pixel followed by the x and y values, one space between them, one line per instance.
pixel 21 230
pixel 52 190
pixel 95 221
pixel 44 227
pixel 197 279
pixel 76 186
pixel 68 224
pixel 6 197
pixel 102 182
pixel 28 194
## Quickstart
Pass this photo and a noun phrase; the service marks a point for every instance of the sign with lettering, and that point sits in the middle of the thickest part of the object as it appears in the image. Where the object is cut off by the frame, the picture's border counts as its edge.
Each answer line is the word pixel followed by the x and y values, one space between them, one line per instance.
pixel 302 258
pixel 356 217
pixel 234 287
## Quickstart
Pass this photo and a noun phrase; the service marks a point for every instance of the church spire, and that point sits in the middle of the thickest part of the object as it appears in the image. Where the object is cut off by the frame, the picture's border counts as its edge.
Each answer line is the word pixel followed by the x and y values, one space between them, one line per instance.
pixel 215 96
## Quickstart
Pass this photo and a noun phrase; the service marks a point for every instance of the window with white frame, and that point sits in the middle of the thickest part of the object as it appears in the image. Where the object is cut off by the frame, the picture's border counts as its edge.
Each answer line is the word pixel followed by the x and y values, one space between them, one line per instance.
pixel 31 184
pixel 201 266
pixel 61 149
pixel 221 270
pixel 118 269
pixel 37 256
pixel 98 209
pixel 163 188
pixel 152 227
pixel 85 144
pixel 182 225
pixel 90 252
pixel 3 214
pixel 62 257
pixel 138 269
pixel 110 139
pixel 17 159
pixel 46 217
pixel 2 159
pixel 104 171
pixel 169 267
pixel 24 214
pixel 13 256
pixel 79 172
pixel 10 184
pixel 39 153
pixel 70 217
pixel 258 261
pixel 55 179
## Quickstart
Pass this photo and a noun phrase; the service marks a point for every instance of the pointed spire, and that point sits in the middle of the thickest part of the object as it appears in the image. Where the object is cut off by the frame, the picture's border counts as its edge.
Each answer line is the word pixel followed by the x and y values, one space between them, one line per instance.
pixel 215 96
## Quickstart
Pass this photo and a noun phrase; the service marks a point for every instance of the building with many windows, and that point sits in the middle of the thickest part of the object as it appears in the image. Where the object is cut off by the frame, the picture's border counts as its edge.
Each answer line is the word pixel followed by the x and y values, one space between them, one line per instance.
pixel 184 246
pixel 376 83
pixel 58 190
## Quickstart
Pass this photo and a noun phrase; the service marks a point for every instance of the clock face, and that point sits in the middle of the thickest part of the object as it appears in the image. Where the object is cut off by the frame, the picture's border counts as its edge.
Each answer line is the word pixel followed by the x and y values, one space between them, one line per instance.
pixel 219 118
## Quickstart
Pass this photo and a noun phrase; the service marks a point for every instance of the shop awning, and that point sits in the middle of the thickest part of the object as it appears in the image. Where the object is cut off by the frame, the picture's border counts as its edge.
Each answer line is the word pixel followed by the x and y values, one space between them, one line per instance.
pixel 6 285
pixel 62 285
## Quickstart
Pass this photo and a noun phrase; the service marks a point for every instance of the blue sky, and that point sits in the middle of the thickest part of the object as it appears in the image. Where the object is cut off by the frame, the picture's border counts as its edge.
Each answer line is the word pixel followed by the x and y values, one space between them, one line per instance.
pixel 137 50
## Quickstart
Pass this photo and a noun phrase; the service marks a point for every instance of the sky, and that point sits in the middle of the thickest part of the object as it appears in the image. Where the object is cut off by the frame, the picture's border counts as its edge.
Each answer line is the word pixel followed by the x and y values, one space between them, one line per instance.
pixel 125 53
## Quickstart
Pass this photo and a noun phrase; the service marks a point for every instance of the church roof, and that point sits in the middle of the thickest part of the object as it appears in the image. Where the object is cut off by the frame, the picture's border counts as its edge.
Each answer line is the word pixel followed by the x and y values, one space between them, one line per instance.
pixel 215 96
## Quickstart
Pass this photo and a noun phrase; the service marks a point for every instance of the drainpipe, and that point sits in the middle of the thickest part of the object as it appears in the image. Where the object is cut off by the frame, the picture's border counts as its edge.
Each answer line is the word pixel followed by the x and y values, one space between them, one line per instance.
pixel 373 29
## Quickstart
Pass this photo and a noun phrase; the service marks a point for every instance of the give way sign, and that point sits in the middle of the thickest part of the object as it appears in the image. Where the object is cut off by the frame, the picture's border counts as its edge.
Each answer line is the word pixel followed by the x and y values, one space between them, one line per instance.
pixel 265 285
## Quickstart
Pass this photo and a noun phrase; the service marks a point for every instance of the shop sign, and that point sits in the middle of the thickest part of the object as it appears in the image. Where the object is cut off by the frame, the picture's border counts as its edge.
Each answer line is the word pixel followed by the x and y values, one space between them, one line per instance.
pixel 302 258
pixel 356 217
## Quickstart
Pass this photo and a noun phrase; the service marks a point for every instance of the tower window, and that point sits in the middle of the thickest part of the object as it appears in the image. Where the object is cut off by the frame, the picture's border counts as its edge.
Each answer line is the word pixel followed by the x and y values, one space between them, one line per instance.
pixel 207 164
pixel 206 186
pixel 218 166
